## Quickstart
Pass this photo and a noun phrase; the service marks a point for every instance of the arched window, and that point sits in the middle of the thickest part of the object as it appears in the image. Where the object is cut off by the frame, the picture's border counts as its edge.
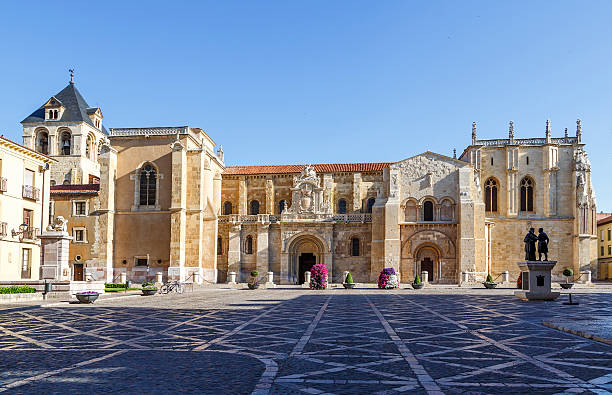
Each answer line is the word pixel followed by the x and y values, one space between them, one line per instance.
pixel 66 143
pixel 282 205
pixel 42 145
pixel 341 206
pixel 527 194
pixel 248 245
pixel 410 212
pixel 254 207
pixel 355 246
pixel 491 195
pixel 227 208
pixel 219 246
pixel 54 114
pixel 148 185
pixel 370 204
pixel 428 211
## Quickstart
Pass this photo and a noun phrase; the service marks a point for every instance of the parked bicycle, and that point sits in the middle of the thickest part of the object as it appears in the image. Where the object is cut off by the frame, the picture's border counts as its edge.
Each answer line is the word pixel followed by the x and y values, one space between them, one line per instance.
pixel 172 286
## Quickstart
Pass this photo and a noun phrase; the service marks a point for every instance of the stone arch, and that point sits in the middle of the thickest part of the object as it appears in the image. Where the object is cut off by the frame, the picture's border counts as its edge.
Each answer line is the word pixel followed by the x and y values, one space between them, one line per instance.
pixel 301 251
pixel 447 209
pixel 410 208
pixel 443 255
pixel 65 143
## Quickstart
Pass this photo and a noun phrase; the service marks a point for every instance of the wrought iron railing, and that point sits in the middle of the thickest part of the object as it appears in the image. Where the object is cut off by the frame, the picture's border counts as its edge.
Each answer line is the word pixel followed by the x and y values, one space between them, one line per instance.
pixel 31 192
pixel 29 234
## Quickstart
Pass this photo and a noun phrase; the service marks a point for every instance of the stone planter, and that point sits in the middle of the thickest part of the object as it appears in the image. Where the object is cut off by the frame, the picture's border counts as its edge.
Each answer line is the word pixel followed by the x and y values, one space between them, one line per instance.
pixel 566 285
pixel 490 285
pixel 87 298
pixel 253 286
pixel 148 291
pixel 417 286
pixel 348 285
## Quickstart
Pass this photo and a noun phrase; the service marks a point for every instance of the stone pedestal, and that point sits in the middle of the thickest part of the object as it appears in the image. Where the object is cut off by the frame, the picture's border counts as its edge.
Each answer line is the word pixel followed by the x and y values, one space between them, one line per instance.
pixel 424 277
pixel 306 280
pixel 232 278
pixel 55 246
pixel 270 280
pixel 158 278
pixel 505 277
pixel 536 281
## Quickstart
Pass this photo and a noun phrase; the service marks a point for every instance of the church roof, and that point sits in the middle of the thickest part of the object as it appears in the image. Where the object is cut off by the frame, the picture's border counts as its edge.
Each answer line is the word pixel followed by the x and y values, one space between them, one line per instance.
pixel 76 108
pixel 75 189
pixel 320 168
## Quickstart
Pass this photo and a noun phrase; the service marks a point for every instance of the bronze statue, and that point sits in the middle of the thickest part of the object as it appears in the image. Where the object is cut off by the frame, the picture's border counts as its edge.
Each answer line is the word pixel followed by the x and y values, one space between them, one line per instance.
pixel 530 245
pixel 542 244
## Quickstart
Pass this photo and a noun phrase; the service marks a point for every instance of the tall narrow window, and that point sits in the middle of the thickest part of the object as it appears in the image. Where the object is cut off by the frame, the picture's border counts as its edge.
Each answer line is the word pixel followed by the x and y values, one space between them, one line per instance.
pixel 609 234
pixel 43 143
pixel 370 204
pixel 428 211
pixel 254 207
pixel 527 194
pixel 26 263
pixel 219 246
pixel 227 208
pixel 491 195
pixel 491 161
pixel 249 245
pixel 282 205
pixel 341 206
pixel 148 185
pixel 355 246
pixel 66 143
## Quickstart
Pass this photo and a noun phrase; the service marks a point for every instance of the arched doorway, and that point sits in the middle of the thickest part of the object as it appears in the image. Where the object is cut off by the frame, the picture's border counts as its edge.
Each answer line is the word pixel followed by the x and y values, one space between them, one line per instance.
pixel 428 260
pixel 304 252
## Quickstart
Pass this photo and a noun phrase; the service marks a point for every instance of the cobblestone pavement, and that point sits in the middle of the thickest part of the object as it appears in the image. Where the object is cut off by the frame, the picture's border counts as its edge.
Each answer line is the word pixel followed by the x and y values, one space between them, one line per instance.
pixel 299 341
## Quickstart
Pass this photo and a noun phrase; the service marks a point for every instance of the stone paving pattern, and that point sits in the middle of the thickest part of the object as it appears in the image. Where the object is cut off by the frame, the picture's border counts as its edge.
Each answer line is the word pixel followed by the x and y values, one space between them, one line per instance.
pixel 290 341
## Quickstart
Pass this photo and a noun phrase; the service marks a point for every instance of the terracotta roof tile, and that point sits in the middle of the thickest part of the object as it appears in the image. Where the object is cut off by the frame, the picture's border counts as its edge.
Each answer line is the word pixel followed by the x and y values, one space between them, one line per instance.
pixel 320 168
pixel 604 218
pixel 75 189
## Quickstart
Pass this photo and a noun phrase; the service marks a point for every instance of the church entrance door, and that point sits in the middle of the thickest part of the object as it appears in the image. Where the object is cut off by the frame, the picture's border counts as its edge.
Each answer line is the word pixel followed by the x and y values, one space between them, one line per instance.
pixel 78 272
pixel 427 265
pixel 306 261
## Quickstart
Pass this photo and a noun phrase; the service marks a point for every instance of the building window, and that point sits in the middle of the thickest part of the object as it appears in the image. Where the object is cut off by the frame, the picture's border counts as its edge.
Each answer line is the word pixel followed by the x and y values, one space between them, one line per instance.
pixel 142 261
pixel 602 235
pixel 602 251
pixel 148 185
pixel 370 204
pixel 428 211
pixel 254 207
pixel 28 217
pixel 609 234
pixel 341 206
pixel 527 194
pixel 79 235
pixel 355 246
pixel 491 195
pixel 80 208
pixel 219 246
pixel 282 205
pixel 248 248
pixel 527 160
pixel 491 161
pixel 227 208
pixel 26 263
pixel 66 143
pixel 609 250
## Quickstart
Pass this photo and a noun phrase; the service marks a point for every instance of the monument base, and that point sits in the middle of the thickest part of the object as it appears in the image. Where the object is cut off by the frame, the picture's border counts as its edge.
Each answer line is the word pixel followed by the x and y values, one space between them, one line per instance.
pixel 526 295
pixel 536 280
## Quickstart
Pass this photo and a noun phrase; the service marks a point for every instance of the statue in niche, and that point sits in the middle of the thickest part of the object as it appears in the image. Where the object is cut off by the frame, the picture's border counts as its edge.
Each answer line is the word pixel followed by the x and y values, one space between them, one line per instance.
pixel 542 244
pixel 530 245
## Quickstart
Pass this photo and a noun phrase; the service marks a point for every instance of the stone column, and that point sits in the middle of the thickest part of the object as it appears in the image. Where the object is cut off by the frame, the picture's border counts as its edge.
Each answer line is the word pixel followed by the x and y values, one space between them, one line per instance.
pixel 105 221
pixel 262 263
pixel 233 251
pixel 269 196
pixel 176 271
pixel 55 247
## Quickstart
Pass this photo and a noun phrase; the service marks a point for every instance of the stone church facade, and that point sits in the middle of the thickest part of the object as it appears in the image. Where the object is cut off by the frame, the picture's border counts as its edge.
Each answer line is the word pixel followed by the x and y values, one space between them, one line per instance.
pixel 165 202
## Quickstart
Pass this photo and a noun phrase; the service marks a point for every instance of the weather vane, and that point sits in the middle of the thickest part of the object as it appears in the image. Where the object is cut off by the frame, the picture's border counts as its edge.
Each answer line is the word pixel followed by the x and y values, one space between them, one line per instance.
pixel 71 75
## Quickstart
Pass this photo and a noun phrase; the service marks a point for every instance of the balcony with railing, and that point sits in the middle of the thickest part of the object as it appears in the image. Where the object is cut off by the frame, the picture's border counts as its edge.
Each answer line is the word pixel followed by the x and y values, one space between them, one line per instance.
pixel 29 234
pixel 3 184
pixel 31 192
pixel 264 218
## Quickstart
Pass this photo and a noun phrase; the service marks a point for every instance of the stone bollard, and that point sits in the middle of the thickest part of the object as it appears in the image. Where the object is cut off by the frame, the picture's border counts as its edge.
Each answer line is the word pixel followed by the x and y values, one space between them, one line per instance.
pixel 270 277
pixel 232 278
pixel 586 276
pixel 307 278
pixel 123 278
pixel 465 276
pixel 327 281
pixel 196 277
pixel 159 278
pixel 505 277
pixel 424 277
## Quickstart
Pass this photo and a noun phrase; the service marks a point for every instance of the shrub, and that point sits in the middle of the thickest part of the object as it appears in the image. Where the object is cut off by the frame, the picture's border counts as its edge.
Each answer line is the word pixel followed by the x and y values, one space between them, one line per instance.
pixel 147 284
pixel 489 278
pixel 384 276
pixel 17 289
pixel 318 276
pixel 254 273
pixel 568 272
pixel 349 278
pixel 417 279
pixel 114 285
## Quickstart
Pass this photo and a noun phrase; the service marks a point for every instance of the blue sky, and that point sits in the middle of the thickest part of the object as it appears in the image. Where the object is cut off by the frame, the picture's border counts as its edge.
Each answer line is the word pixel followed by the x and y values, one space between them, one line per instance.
pixel 322 81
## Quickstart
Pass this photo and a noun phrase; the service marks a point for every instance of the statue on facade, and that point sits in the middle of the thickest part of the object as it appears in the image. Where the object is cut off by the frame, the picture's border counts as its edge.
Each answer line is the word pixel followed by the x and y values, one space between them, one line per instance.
pixel 530 245
pixel 542 244
pixel 59 225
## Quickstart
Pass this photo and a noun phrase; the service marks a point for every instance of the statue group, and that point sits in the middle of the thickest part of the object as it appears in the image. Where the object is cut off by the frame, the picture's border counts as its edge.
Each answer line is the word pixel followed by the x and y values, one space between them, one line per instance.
pixel 530 245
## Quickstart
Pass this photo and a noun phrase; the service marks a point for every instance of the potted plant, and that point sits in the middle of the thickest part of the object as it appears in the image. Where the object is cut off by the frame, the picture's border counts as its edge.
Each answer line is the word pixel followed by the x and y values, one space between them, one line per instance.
pixel 387 279
pixel 254 284
pixel 348 281
pixel 417 284
pixel 567 272
pixel 318 276
pixel 87 296
pixel 489 283
pixel 148 289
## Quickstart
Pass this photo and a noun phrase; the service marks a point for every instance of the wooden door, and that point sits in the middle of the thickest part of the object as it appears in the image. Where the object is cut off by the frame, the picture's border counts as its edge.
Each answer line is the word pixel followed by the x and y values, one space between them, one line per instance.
pixel 78 272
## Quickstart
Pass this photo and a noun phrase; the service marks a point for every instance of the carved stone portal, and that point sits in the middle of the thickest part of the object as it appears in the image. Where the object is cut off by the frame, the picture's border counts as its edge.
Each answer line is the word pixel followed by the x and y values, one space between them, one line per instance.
pixel 307 195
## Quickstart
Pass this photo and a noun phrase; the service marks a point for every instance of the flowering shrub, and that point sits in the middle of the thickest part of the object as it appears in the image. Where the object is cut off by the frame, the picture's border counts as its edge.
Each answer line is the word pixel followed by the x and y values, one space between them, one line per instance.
pixel 318 276
pixel 87 292
pixel 387 279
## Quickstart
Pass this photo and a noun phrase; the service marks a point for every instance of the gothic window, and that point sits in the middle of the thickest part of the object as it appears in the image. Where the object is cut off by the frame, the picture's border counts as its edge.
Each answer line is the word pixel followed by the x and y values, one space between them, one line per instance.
pixel 254 207
pixel 219 246
pixel 341 206
pixel 248 245
pixel 355 246
pixel 148 185
pixel 428 211
pixel 43 143
pixel 491 195
pixel 227 208
pixel 66 143
pixel 282 205
pixel 527 194
pixel 370 204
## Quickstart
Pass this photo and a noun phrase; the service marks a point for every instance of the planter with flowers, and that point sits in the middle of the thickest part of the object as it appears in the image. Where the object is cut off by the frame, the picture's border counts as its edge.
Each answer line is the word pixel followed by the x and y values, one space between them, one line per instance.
pixel 254 284
pixel 417 283
pixel 489 283
pixel 387 279
pixel 348 281
pixel 87 296
pixel 318 276
pixel 148 289
pixel 567 273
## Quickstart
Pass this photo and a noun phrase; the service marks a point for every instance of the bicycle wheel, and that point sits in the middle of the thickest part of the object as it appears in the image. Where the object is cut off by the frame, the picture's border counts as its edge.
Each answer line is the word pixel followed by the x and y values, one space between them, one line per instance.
pixel 164 289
